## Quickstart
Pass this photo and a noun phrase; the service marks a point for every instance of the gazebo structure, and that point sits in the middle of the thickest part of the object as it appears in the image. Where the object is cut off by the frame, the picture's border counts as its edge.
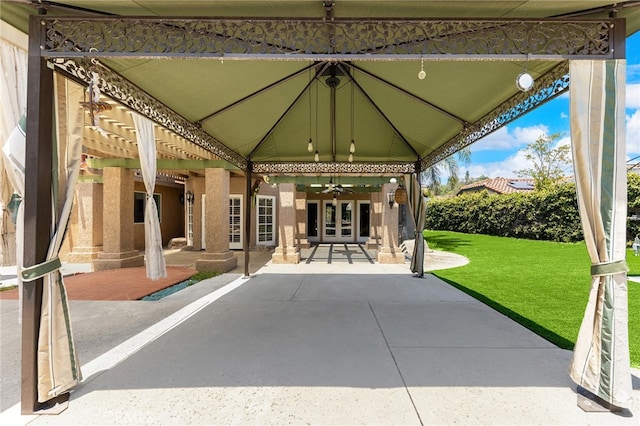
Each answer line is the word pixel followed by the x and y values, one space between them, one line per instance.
pixel 333 93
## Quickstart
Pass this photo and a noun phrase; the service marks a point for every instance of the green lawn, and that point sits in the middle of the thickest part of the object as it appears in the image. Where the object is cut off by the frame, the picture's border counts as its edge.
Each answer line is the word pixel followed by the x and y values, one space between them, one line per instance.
pixel 634 264
pixel 542 285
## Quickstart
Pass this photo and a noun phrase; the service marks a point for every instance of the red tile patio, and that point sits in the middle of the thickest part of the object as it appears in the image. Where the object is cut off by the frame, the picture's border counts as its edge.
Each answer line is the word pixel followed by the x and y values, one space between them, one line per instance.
pixel 116 284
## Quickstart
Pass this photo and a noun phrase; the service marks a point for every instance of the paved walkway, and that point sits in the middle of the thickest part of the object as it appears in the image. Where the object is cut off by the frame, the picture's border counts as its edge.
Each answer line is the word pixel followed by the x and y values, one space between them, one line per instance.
pixel 312 344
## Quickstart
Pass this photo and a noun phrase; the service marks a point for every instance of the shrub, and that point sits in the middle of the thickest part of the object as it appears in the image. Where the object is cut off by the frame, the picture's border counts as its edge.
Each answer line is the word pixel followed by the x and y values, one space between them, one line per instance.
pixel 550 214
pixel 541 215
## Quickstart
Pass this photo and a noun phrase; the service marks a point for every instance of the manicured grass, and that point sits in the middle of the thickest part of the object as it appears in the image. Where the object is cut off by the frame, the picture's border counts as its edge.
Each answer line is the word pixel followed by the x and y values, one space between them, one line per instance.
pixel 203 275
pixel 543 285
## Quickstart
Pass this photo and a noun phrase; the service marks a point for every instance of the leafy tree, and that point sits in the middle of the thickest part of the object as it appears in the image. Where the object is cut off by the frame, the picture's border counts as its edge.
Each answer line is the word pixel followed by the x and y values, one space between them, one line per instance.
pixel 467 178
pixel 547 162
pixel 432 176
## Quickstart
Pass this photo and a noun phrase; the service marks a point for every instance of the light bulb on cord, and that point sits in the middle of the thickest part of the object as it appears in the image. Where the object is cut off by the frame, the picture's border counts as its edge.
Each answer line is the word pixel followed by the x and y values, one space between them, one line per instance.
pixel 524 81
pixel 352 147
pixel 350 157
pixel 334 201
pixel 317 156
pixel 310 145
pixel 422 74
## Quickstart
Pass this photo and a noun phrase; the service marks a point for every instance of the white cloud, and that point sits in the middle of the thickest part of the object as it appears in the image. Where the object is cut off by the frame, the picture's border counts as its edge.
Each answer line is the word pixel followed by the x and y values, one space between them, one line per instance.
pixel 529 134
pixel 564 115
pixel 500 139
pixel 633 95
pixel 503 139
pixel 633 133
pixel 563 141
pixel 505 168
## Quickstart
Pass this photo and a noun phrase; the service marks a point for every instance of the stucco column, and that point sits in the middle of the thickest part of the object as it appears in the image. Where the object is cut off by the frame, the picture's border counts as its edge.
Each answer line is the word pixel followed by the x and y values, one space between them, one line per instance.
pixel 389 252
pixel 117 245
pixel 86 224
pixel 217 256
pixel 376 219
pixel 301 220
pixel 287 250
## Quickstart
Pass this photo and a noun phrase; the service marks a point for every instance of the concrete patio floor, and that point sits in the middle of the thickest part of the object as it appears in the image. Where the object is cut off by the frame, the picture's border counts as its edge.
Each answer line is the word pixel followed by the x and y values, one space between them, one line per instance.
pixel 315 344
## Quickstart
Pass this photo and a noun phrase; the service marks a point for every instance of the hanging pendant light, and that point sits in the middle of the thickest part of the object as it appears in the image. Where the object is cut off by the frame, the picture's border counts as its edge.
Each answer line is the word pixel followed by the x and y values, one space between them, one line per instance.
pixel 316 156
pixel 334 202
pixel 422 74
pixel 352 146
pixel 310 144
pixel 524 80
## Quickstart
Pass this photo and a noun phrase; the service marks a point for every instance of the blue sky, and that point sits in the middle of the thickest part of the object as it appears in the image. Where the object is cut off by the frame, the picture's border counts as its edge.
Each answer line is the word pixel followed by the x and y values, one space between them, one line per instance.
pixel 500 153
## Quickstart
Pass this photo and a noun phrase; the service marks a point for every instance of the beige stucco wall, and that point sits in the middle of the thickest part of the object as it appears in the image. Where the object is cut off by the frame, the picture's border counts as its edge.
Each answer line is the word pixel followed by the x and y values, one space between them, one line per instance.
pixel 84 236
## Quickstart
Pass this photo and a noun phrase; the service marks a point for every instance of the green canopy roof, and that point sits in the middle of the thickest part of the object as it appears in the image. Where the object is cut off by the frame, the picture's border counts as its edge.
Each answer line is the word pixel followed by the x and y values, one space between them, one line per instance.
pixel 265 109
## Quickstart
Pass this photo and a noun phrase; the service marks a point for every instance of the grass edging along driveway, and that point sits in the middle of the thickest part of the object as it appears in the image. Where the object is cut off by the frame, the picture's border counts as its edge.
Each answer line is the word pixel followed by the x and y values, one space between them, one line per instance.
pixel 542 285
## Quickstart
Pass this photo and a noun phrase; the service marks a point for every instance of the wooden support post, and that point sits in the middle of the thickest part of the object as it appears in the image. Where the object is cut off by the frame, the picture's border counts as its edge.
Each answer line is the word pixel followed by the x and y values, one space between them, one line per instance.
pixel 247 218
pixel 37 205
pixel 620 39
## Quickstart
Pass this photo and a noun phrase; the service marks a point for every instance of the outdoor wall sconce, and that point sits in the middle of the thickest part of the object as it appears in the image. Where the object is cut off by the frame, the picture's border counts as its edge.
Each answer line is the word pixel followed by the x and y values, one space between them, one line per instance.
pixel 190 197
pixel 391 198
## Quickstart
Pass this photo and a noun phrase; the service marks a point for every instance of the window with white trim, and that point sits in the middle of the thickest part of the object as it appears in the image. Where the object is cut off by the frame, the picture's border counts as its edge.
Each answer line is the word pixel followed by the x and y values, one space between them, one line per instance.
pixel 266 218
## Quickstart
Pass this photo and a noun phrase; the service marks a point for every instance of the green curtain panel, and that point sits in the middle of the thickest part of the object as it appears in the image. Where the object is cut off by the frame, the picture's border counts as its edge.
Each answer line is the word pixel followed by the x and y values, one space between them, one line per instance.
pixel 601 355
pixel 57 363
pixel 418 211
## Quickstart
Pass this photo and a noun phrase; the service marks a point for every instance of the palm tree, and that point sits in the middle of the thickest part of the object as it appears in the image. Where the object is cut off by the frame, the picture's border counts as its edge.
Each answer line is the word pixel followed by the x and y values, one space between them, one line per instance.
pixel 431 178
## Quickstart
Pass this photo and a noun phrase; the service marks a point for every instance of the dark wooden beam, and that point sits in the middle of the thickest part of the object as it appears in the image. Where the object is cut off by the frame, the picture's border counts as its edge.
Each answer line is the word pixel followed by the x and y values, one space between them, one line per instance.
pixel 37 205
pixel 620 38
pixel 247 218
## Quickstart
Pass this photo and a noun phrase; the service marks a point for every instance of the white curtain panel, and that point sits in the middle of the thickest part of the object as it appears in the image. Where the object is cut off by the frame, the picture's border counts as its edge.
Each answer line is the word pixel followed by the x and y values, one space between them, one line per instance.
pixel 13 156
pixel 601 355
pixel 154 257
pixel 13 98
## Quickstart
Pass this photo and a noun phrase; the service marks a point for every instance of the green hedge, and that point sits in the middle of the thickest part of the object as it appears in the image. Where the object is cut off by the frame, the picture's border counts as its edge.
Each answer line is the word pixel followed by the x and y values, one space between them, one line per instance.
pixel 540 215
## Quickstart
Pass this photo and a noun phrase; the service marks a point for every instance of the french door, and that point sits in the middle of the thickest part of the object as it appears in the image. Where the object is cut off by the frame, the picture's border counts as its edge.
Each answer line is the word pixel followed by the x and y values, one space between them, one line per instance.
pixel 338 221
pixel 235 222
pixel 266 218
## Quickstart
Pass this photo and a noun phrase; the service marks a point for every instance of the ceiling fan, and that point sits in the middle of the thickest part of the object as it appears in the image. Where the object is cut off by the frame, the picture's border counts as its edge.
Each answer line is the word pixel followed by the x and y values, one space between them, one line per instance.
pixel 336 189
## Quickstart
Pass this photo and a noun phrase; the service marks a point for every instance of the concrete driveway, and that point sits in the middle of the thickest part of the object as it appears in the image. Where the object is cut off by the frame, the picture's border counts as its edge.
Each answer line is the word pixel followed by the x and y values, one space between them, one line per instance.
pixel 323 344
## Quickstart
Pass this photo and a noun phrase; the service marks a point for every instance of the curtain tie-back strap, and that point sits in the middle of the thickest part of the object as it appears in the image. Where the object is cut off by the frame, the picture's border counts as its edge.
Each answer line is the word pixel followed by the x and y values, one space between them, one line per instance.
pixel 609 268
pixel 40 270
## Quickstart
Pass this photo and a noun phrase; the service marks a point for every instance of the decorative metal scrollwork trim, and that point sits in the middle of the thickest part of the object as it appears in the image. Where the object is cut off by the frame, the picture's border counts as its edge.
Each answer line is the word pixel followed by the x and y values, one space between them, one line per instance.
pixel 334 168
pixel 122 90
pixel 340 38
pixel 551 84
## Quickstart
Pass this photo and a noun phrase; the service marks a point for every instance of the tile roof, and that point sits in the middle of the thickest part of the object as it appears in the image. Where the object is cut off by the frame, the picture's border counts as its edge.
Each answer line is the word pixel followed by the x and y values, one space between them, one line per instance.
pixel 500 185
